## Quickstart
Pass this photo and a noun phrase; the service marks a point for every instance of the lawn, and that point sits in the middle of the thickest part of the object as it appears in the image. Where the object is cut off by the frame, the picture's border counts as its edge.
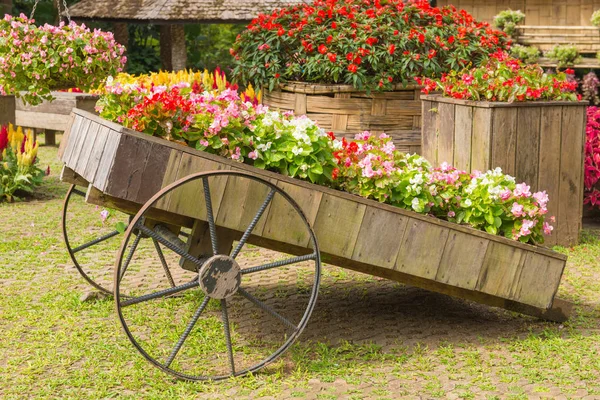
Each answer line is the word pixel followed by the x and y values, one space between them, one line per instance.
pixel 368 337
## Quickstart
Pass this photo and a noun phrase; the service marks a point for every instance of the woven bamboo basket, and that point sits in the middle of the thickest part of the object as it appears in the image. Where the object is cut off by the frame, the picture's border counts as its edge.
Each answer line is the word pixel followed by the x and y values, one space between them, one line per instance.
pixel 346 111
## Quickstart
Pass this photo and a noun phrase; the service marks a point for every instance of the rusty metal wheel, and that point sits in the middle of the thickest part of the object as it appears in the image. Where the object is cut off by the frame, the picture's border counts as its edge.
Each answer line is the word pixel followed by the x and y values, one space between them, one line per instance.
pixel 240 311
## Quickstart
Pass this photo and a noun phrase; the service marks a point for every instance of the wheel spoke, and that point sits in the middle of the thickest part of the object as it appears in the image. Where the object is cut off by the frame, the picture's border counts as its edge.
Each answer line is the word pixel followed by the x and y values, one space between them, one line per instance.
pixel 227 335
pixel 210 217
pixel 95 241
pixel 78 192
pixel 280 263
pixel 252 225
pixel 134 246
pixel 165 266
pixel 160 293
pixel 186 333
pixel 266 308
pixel 172 247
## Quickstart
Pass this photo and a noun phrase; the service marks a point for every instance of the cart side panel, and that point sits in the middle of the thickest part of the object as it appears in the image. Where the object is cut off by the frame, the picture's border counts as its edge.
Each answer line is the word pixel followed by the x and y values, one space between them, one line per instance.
pixel 352 232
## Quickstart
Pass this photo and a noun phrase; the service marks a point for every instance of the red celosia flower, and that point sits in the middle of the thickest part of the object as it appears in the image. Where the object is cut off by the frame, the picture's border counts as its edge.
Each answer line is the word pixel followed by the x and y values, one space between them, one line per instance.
pixel 3 138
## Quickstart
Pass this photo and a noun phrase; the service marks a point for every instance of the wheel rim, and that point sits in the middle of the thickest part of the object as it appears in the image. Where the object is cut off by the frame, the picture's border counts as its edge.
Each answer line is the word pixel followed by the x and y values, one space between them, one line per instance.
pixel 191 322
pixel 75 250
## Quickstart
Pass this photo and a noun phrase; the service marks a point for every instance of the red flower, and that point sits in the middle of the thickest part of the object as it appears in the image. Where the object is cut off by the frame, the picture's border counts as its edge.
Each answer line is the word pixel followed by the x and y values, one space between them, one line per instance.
pixel 421 38
pixel 335 173
pixel 331 135
pixel 357 60
pixel 277 75
pixel 332 57
pixel 352 68
pixel 280 32
pixel 432 53
pixel 322 49
pixel 333 25
pixel 392 48
pixel 371 41
pixel 329 39
pixel 3 138
pixel 350 56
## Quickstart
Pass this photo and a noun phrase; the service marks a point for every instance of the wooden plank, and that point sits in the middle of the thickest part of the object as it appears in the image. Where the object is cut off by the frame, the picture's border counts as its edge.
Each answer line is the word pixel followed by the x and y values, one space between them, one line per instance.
pixel 199 243
pixel 67 175
pixel 282 221
pixel 125 178
pixel 79 142
pixel 571 168
pixel 170 176
pixel 500 270
pixel 549 166
pixel 460 267
pixel 462 135
pixel 445 145
pixel 326 104
pixel 107 159
pixel 300 104
pixel 528 146
pixel 538 281
pixel 65 137
pixel 421 250
pixel 241 201
pixel 337 225
pixel 481 139
pixel 29 119
pixel 153 173
pixel 504 139
pixel 86 149
pixel 429 140
pixel 379 238
pixel 96 154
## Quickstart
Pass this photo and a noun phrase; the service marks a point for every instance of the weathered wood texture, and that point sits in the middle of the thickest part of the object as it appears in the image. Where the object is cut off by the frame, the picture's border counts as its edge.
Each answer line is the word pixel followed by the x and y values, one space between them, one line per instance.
pixel 7 110
pixel 346 112
pixel 53 116
pixel 540 143
pixel 537 12
pixel 352 232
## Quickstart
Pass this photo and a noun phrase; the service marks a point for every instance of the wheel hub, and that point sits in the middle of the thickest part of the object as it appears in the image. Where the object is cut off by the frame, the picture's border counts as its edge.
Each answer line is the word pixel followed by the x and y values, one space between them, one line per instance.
pixel 220 277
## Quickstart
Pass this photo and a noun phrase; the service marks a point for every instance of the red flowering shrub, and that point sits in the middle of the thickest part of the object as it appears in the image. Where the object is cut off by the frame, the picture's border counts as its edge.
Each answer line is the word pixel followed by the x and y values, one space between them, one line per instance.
pixel 370 44
pixel 504 78
pixel 592 158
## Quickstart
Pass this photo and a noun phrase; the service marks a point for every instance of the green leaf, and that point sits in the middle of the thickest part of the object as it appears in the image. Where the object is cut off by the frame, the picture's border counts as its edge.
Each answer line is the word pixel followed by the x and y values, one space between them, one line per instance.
pixel 121 227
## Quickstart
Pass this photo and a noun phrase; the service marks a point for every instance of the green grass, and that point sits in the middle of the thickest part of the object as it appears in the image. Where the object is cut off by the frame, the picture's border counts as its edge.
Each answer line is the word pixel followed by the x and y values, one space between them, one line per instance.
pixel 54 346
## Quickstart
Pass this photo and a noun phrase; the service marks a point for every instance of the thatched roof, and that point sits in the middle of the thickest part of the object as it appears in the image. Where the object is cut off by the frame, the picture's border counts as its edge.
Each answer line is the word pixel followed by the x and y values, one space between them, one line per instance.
pixel 173 11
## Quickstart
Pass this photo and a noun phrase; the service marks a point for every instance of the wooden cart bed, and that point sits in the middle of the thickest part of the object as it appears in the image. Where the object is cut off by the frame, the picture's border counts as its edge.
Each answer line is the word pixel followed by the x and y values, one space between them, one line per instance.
pixel 124 169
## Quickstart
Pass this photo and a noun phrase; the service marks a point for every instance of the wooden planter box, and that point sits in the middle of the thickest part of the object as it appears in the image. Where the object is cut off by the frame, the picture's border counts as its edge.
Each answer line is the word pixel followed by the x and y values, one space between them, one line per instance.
pixel 53 116
pixel 540 143
pixel 125 168
pixel 346 111
pixel 7 110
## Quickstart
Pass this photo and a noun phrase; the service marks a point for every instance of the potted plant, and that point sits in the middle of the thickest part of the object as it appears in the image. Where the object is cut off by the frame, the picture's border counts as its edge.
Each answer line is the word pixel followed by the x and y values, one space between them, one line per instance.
pixel 514 116
pixel 35 60
pixel 351 65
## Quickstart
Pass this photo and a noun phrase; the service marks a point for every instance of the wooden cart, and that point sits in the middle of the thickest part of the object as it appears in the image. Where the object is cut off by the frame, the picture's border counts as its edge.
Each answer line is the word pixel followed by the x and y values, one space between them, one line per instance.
pixel 204 208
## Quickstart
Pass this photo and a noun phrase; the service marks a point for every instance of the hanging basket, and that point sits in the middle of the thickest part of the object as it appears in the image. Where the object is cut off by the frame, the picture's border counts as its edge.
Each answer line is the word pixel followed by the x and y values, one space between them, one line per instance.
pixel 347 111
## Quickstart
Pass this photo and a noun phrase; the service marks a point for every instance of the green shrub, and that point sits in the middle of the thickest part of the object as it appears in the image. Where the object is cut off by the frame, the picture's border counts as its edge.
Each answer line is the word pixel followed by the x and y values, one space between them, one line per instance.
pixel 564 55
pixel 507 20
pixel 596 18
pixel 527 54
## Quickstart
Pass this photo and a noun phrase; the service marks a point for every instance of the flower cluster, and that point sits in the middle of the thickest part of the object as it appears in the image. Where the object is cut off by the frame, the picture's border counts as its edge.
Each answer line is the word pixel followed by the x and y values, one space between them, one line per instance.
pixel 18 162
pixel 121 94
pixel 371 167
pixel 592 158
pixel 37 60
pixel 370 44
pixel 506 79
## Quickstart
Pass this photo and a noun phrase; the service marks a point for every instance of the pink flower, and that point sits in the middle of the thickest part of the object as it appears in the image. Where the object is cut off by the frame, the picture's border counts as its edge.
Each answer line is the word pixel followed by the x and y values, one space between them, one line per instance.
pixel 204 143
pixel 253 155
pixel 541 198
pixel 505 195
pixel 517 210
pixel 526 227
pixel 363 136
pixel 104 215
pixel 522 190
pixel 548 228
pixel 451 214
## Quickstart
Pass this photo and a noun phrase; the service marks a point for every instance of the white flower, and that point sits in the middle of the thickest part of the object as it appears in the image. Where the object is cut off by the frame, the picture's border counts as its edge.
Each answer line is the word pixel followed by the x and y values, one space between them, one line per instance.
pixel 415 204
pixel 304 167
pixel 297 150
pixel 337 144
pixel 468 203
pixel 417 179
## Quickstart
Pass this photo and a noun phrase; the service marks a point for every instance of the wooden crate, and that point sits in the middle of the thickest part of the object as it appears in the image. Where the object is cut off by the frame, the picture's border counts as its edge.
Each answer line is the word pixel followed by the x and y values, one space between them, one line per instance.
pixel 346 111
pixel 540 143
pixel 585 38
pixel 7 110
pixel 53 116
pixel 125 168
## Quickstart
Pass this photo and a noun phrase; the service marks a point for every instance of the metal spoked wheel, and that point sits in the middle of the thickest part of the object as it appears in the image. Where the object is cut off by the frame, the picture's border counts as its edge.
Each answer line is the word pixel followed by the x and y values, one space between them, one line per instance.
pixel 244 306
pixel 91 246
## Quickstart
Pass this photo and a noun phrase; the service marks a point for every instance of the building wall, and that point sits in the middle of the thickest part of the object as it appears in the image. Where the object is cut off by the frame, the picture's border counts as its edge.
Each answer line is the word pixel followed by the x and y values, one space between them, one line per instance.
pixel 537 12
